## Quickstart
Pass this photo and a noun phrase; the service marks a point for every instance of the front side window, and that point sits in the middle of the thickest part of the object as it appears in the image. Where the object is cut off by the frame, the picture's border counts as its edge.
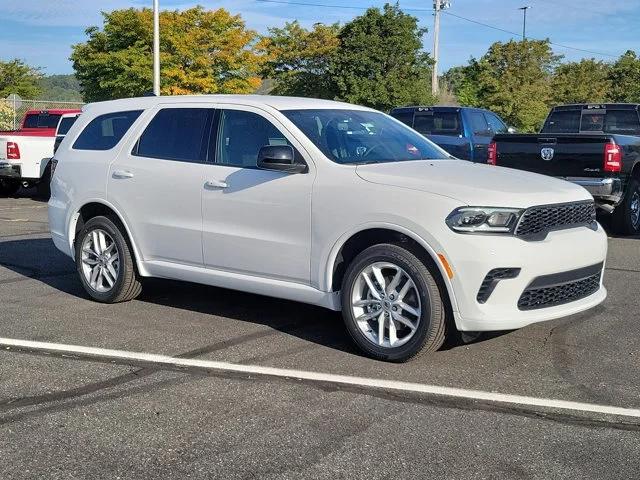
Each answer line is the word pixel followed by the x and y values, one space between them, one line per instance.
pixel 495 124
pixel 359 136
pixel 241 135
pixel 176 134
pixel 105 131
pixel 479 125
pixel 438 123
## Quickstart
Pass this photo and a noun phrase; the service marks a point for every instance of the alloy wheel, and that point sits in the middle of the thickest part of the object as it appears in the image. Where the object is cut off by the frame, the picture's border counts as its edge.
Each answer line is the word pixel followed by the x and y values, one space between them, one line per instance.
pixel 386 304
pixel 100 260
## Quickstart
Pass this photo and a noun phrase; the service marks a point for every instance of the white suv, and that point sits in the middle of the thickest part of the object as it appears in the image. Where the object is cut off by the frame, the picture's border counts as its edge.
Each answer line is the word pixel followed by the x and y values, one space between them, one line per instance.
pixel 325 203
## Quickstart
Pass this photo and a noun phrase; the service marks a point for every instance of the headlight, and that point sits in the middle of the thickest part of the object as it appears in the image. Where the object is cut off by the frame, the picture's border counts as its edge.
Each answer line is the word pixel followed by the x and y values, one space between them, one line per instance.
pixel 484 219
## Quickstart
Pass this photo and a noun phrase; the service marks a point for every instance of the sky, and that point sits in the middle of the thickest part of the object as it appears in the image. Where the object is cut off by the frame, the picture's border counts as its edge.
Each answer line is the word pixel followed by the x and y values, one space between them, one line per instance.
pixel 41 32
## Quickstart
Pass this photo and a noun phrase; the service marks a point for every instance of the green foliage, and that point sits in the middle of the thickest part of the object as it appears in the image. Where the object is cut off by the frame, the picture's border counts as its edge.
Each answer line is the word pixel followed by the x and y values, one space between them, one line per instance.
pixel 585 81
pixel 17 77
pixel 202 51
pixel 625 78
pixel 298 60
pixel 379 61
pixel 63 88
pixel 514 80
pixel 463 81
pixel 6 115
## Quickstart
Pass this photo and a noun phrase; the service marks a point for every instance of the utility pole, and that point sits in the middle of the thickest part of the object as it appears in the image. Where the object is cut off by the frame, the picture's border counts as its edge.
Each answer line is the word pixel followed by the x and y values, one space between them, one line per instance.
pixel 524 22
pixel 438 6
pixel 156 48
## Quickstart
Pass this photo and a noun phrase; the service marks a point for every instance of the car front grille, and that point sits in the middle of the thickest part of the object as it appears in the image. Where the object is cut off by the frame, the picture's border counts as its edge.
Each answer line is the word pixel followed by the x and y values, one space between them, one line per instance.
pixel 542 219
pixel 541 296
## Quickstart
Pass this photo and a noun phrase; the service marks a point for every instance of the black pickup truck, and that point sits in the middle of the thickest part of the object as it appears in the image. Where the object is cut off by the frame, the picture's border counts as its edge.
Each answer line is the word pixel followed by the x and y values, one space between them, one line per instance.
pixel 596 146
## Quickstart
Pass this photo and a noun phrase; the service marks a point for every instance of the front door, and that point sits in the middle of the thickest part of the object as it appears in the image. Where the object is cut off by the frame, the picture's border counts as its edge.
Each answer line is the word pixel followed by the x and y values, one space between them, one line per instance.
pixel 256 222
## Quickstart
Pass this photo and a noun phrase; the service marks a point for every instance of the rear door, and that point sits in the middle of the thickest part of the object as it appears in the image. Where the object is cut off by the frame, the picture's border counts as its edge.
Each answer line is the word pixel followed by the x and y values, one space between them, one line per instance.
pixel 157 182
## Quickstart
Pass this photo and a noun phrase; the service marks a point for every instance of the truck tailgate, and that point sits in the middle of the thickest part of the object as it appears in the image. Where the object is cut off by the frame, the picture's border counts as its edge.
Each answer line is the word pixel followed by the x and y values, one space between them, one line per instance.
pixel 559 155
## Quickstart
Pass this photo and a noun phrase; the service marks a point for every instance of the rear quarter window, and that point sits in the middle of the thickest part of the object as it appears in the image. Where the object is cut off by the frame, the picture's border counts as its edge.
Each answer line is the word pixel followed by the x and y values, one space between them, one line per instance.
pixel 105 131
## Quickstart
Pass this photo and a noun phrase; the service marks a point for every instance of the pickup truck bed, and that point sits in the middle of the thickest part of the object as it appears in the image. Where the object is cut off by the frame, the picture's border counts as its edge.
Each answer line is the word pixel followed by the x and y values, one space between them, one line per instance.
pixel 606 164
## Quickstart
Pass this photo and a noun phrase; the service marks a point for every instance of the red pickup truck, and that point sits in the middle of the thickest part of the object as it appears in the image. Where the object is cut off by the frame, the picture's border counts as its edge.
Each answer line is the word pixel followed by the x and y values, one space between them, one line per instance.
pixel 25 153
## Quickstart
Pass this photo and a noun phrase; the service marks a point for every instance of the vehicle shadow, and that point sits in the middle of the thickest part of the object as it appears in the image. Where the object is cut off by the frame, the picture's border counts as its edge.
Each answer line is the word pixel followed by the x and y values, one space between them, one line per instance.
pixel 40 260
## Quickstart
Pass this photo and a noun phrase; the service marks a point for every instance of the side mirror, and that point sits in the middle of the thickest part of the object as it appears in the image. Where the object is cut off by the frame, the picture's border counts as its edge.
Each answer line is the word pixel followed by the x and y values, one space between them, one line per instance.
pixel 511 130
pixel 280 158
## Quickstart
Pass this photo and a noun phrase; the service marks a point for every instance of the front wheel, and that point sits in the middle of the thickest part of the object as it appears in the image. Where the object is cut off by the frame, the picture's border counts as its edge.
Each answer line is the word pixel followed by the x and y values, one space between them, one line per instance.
pixel 626 216
pixel 391 304
pixel 104 262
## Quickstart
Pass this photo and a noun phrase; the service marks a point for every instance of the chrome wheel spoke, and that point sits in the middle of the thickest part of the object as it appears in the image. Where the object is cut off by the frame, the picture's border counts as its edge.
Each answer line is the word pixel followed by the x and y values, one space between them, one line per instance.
pixel 95 238
pixel 377 273
pixel 372 288
pixel 367 302
pixel 393 335
pixel 367 316
pixel 391 288
pixel 381 329
pixel 106 274
pixel 405 289
pixel 408 308
pixel 405 321
pixel 95 274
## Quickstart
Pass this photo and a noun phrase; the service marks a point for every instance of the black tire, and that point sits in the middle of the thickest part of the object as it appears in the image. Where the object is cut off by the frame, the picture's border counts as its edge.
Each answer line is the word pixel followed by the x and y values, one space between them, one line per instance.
pixel 9 186
pixel 624 220
pixel 44 185
pixel 127 285
pixel 430 333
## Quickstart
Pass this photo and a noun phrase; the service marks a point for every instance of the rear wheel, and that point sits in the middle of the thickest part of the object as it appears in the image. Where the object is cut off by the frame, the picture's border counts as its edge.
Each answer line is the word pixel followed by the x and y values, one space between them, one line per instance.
pixel 9 186
pixel 391 304
pixel 104 262
pixel 626 216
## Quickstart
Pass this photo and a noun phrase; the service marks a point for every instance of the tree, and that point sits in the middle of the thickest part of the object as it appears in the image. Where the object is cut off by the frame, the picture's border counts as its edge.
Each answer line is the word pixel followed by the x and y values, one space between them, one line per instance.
pixel 625 78
pixel 64 88
pixel 585 81
pixel 380 62
pixel 202 51
pixel 19 78
pixel 463 81
pixel 514 80
pixel 298 60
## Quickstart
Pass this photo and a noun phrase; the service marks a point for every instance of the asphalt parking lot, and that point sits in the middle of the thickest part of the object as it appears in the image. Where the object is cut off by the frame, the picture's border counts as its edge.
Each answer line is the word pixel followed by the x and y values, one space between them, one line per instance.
pixel 66 415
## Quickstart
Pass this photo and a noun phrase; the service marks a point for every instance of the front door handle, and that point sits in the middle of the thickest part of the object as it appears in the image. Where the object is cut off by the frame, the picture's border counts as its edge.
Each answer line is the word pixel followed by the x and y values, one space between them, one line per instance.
pixel 122 174
pixel 215 184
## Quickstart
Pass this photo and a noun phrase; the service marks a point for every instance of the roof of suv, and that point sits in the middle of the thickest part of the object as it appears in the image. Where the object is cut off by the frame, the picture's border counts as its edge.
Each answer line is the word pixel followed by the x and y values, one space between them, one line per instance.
pixel 277 102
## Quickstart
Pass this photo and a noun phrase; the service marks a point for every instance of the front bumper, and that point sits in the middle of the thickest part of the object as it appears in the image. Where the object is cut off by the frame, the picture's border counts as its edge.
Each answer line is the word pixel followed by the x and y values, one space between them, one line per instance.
pixel 9 170
pixel 472 257
pixel 607 191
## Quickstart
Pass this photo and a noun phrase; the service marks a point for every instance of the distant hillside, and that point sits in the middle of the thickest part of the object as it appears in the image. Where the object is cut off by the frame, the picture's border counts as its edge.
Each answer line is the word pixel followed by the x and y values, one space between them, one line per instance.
pixel 63 88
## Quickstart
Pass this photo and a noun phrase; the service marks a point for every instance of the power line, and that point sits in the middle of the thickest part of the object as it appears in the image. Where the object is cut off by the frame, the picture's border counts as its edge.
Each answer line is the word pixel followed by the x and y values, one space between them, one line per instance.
pixel 350 7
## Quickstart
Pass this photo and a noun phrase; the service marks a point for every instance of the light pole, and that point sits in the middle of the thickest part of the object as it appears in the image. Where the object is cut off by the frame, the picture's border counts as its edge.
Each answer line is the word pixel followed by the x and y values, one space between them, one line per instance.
pixel 156 48
pixel 438 5
pixel 524 22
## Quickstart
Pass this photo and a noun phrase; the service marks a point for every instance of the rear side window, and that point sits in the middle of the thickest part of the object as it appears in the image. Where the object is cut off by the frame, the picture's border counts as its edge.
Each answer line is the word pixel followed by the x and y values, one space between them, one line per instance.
pixel 404 117
pixel 438 123
pixel 623 122
pixel 176 134
pixel 41 120
pixel 105 131
pixel 563 122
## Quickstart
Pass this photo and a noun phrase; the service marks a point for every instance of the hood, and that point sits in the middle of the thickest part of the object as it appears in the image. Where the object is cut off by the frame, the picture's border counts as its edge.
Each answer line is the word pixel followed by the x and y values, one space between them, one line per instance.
pixel 473 183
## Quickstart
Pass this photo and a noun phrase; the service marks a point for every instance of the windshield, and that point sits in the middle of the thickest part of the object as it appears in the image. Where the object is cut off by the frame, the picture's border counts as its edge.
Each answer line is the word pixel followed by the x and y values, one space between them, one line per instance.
pixel 356 136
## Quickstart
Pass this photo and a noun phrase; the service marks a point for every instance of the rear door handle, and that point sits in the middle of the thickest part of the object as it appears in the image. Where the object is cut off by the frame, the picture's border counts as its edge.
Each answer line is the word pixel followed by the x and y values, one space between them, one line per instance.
pixel 215 184
pixel 122 174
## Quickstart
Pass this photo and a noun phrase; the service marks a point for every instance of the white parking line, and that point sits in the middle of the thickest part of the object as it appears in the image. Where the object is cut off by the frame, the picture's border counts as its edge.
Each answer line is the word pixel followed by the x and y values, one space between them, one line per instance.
pixel 491 397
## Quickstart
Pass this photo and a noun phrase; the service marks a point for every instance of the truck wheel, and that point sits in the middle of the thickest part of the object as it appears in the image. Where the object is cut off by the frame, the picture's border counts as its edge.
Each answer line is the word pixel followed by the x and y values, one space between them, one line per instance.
pixel 9 186
pixel 104 262
pixel 44 185
pixel 626 217
pixel 391 304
